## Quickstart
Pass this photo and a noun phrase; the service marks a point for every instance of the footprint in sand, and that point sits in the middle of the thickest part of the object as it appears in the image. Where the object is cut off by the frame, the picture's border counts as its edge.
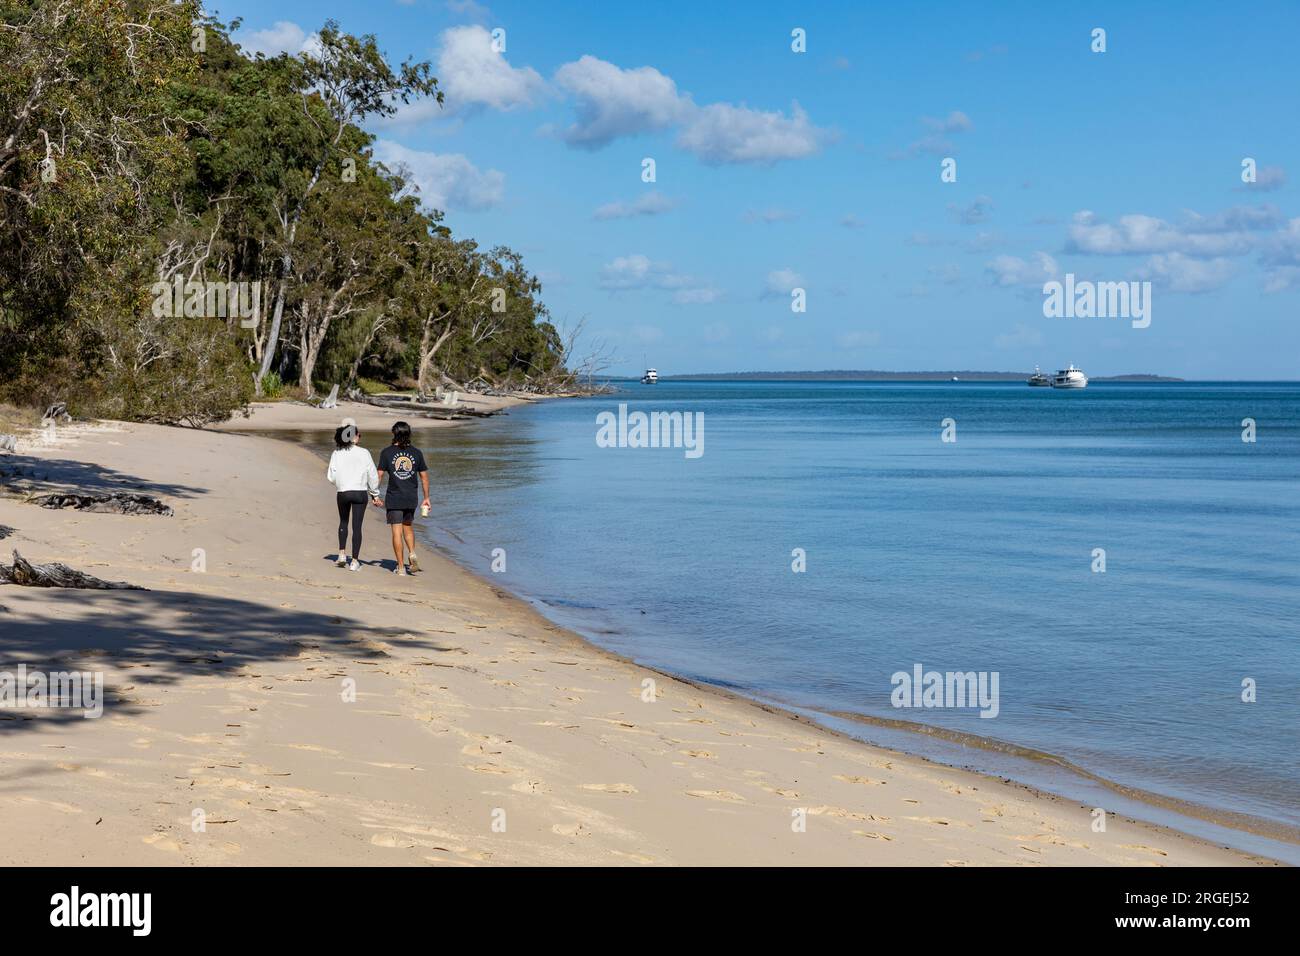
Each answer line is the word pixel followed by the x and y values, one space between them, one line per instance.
pixel 571 829
pixel 529 786
pixel 837 812
pixel 393 841
pixel 490 768
pixel 864 781
pixel 940 821
pixel 163 841
pixel 703 754
pixel 610 787
pixel 634 857
pixel 872 835
pixel 1148 849
pixel 724 795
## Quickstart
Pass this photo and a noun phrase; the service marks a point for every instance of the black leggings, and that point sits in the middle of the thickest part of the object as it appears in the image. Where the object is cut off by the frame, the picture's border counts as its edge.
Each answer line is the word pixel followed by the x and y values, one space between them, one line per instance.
pixel 354 501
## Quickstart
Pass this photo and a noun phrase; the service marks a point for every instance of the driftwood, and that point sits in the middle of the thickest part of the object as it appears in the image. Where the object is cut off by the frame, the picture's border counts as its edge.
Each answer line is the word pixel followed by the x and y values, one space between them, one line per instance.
pixel 58 412
pixel 26 574
pixel 118 503
pixel 424 409
pixel 8 442
pixel 333 400
pixel 5 531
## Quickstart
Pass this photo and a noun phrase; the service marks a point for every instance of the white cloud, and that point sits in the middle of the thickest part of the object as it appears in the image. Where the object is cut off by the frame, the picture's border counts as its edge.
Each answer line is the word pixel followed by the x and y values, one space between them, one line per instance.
pixel 472 74
pixel 723 133
pixel 282 37
pixel 974 213
pixel 1268 178
pixel 1232 232
pixel 649 204
pixel 627 273
pixel 1179 273
pixel 949 273
pixel 781 282
pixel 1260 231
pixel 936 142
pixel 1009 271
pixel 614 102
pixel 445 180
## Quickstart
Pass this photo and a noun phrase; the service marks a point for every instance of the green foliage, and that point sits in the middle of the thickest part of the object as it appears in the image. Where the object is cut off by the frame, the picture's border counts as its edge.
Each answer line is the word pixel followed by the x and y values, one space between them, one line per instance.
pixel 140 145
pixel 272 387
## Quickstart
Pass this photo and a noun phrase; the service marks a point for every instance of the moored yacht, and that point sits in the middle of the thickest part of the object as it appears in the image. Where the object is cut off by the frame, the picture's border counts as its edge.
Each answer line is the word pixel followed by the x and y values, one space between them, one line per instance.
pixel 1070 378
pixel 1038 379
pixel 651 377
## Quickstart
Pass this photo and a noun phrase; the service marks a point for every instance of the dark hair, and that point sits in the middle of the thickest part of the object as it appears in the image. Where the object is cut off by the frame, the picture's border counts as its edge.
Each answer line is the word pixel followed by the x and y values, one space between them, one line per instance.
pixel 401 435
pixel 338 438
pixel 345 436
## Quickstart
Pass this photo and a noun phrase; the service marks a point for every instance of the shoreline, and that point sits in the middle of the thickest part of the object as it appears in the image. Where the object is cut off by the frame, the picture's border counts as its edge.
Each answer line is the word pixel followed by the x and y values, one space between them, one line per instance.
pixel 726 796
pixel 1153 808
pixel 1047 771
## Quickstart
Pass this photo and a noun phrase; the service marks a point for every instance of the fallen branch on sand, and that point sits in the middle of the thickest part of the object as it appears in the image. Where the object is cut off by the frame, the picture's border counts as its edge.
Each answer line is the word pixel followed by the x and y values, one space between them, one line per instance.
pixel 118 503
pixel 424 409
pixel 23 572
pixel 6 531
pixel 56 413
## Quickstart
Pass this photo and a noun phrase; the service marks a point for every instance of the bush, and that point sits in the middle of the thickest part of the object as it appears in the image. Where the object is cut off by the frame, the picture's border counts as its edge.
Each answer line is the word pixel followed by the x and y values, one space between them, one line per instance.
pixel 272 387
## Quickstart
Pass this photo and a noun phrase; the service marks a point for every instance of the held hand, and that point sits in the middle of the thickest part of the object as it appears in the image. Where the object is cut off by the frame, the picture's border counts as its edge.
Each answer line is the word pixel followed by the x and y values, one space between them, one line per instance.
pixel 425 503
pixel 376 502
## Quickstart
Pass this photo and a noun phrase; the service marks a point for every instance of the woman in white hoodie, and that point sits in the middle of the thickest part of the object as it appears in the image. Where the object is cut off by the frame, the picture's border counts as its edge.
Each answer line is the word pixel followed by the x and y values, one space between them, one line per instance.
pixel 353 472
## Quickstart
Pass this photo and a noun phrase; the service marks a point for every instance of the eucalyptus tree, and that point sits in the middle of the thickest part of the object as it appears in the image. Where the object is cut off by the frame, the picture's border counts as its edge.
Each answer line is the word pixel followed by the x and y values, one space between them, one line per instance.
pixel 343 81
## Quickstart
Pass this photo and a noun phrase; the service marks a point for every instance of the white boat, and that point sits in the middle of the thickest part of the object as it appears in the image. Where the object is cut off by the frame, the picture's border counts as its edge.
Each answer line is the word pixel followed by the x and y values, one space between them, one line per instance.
pixel 1038 379
pixel 651 377
pixel 1070 378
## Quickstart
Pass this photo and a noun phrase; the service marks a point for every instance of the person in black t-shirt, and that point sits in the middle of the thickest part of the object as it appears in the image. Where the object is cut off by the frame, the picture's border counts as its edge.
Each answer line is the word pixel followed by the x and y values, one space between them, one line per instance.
pixel 404 466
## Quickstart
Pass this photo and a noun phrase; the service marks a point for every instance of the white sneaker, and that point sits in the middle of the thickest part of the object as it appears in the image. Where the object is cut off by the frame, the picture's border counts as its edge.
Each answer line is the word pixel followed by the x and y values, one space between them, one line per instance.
pixel 355 565
pixel 342 562
pixel 400 571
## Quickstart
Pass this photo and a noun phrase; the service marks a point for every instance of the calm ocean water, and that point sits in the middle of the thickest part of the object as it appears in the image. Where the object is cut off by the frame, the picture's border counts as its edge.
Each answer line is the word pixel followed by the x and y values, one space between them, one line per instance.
pixel 975 555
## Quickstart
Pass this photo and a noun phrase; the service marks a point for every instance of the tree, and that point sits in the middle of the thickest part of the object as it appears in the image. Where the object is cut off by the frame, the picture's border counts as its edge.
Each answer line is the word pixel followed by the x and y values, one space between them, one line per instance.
pixel 343 83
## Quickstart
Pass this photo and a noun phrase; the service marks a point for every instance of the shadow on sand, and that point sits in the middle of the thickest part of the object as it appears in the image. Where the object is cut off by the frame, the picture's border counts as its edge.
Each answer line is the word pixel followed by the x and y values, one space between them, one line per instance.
pixel 25 475
pixel 160 637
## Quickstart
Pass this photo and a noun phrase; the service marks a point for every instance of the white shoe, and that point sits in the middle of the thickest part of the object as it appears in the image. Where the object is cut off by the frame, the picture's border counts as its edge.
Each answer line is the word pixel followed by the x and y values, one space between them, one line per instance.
pixel 355 565
pixel 400 571
pixel 342 562
pixel 415 564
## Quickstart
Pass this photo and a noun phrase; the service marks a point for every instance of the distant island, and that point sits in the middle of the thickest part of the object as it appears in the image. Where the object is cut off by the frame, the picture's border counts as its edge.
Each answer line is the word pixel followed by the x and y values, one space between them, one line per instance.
pixel 874 375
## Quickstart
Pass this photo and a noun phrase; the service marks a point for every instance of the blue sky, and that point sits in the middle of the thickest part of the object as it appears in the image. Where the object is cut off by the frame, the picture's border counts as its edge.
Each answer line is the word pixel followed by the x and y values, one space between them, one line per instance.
pixel 821 170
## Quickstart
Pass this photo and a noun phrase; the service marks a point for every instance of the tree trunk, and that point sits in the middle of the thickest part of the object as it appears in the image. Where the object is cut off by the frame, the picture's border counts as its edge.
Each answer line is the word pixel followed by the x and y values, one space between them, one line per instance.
pixel 427 352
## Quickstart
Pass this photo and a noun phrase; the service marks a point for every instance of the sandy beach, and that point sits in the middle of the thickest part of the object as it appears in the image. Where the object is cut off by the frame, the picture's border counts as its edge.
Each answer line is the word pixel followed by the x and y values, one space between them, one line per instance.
pixel 480 732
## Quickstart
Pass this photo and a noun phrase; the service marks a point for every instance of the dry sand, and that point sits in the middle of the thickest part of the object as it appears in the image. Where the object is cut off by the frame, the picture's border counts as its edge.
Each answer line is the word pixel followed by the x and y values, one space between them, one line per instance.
pixel 480 732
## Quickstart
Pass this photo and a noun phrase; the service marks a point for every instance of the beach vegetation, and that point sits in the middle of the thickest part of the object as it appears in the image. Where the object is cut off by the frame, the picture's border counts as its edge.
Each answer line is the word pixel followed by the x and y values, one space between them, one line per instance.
pixel 143 151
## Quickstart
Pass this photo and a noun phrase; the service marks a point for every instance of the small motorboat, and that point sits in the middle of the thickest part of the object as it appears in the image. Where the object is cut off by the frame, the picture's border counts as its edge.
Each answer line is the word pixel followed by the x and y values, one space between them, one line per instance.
pixel 651 377
pixel 1039 380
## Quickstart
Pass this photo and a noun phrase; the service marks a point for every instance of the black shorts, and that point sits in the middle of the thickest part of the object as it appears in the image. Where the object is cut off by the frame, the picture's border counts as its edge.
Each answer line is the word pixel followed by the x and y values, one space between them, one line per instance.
pixel 401 515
